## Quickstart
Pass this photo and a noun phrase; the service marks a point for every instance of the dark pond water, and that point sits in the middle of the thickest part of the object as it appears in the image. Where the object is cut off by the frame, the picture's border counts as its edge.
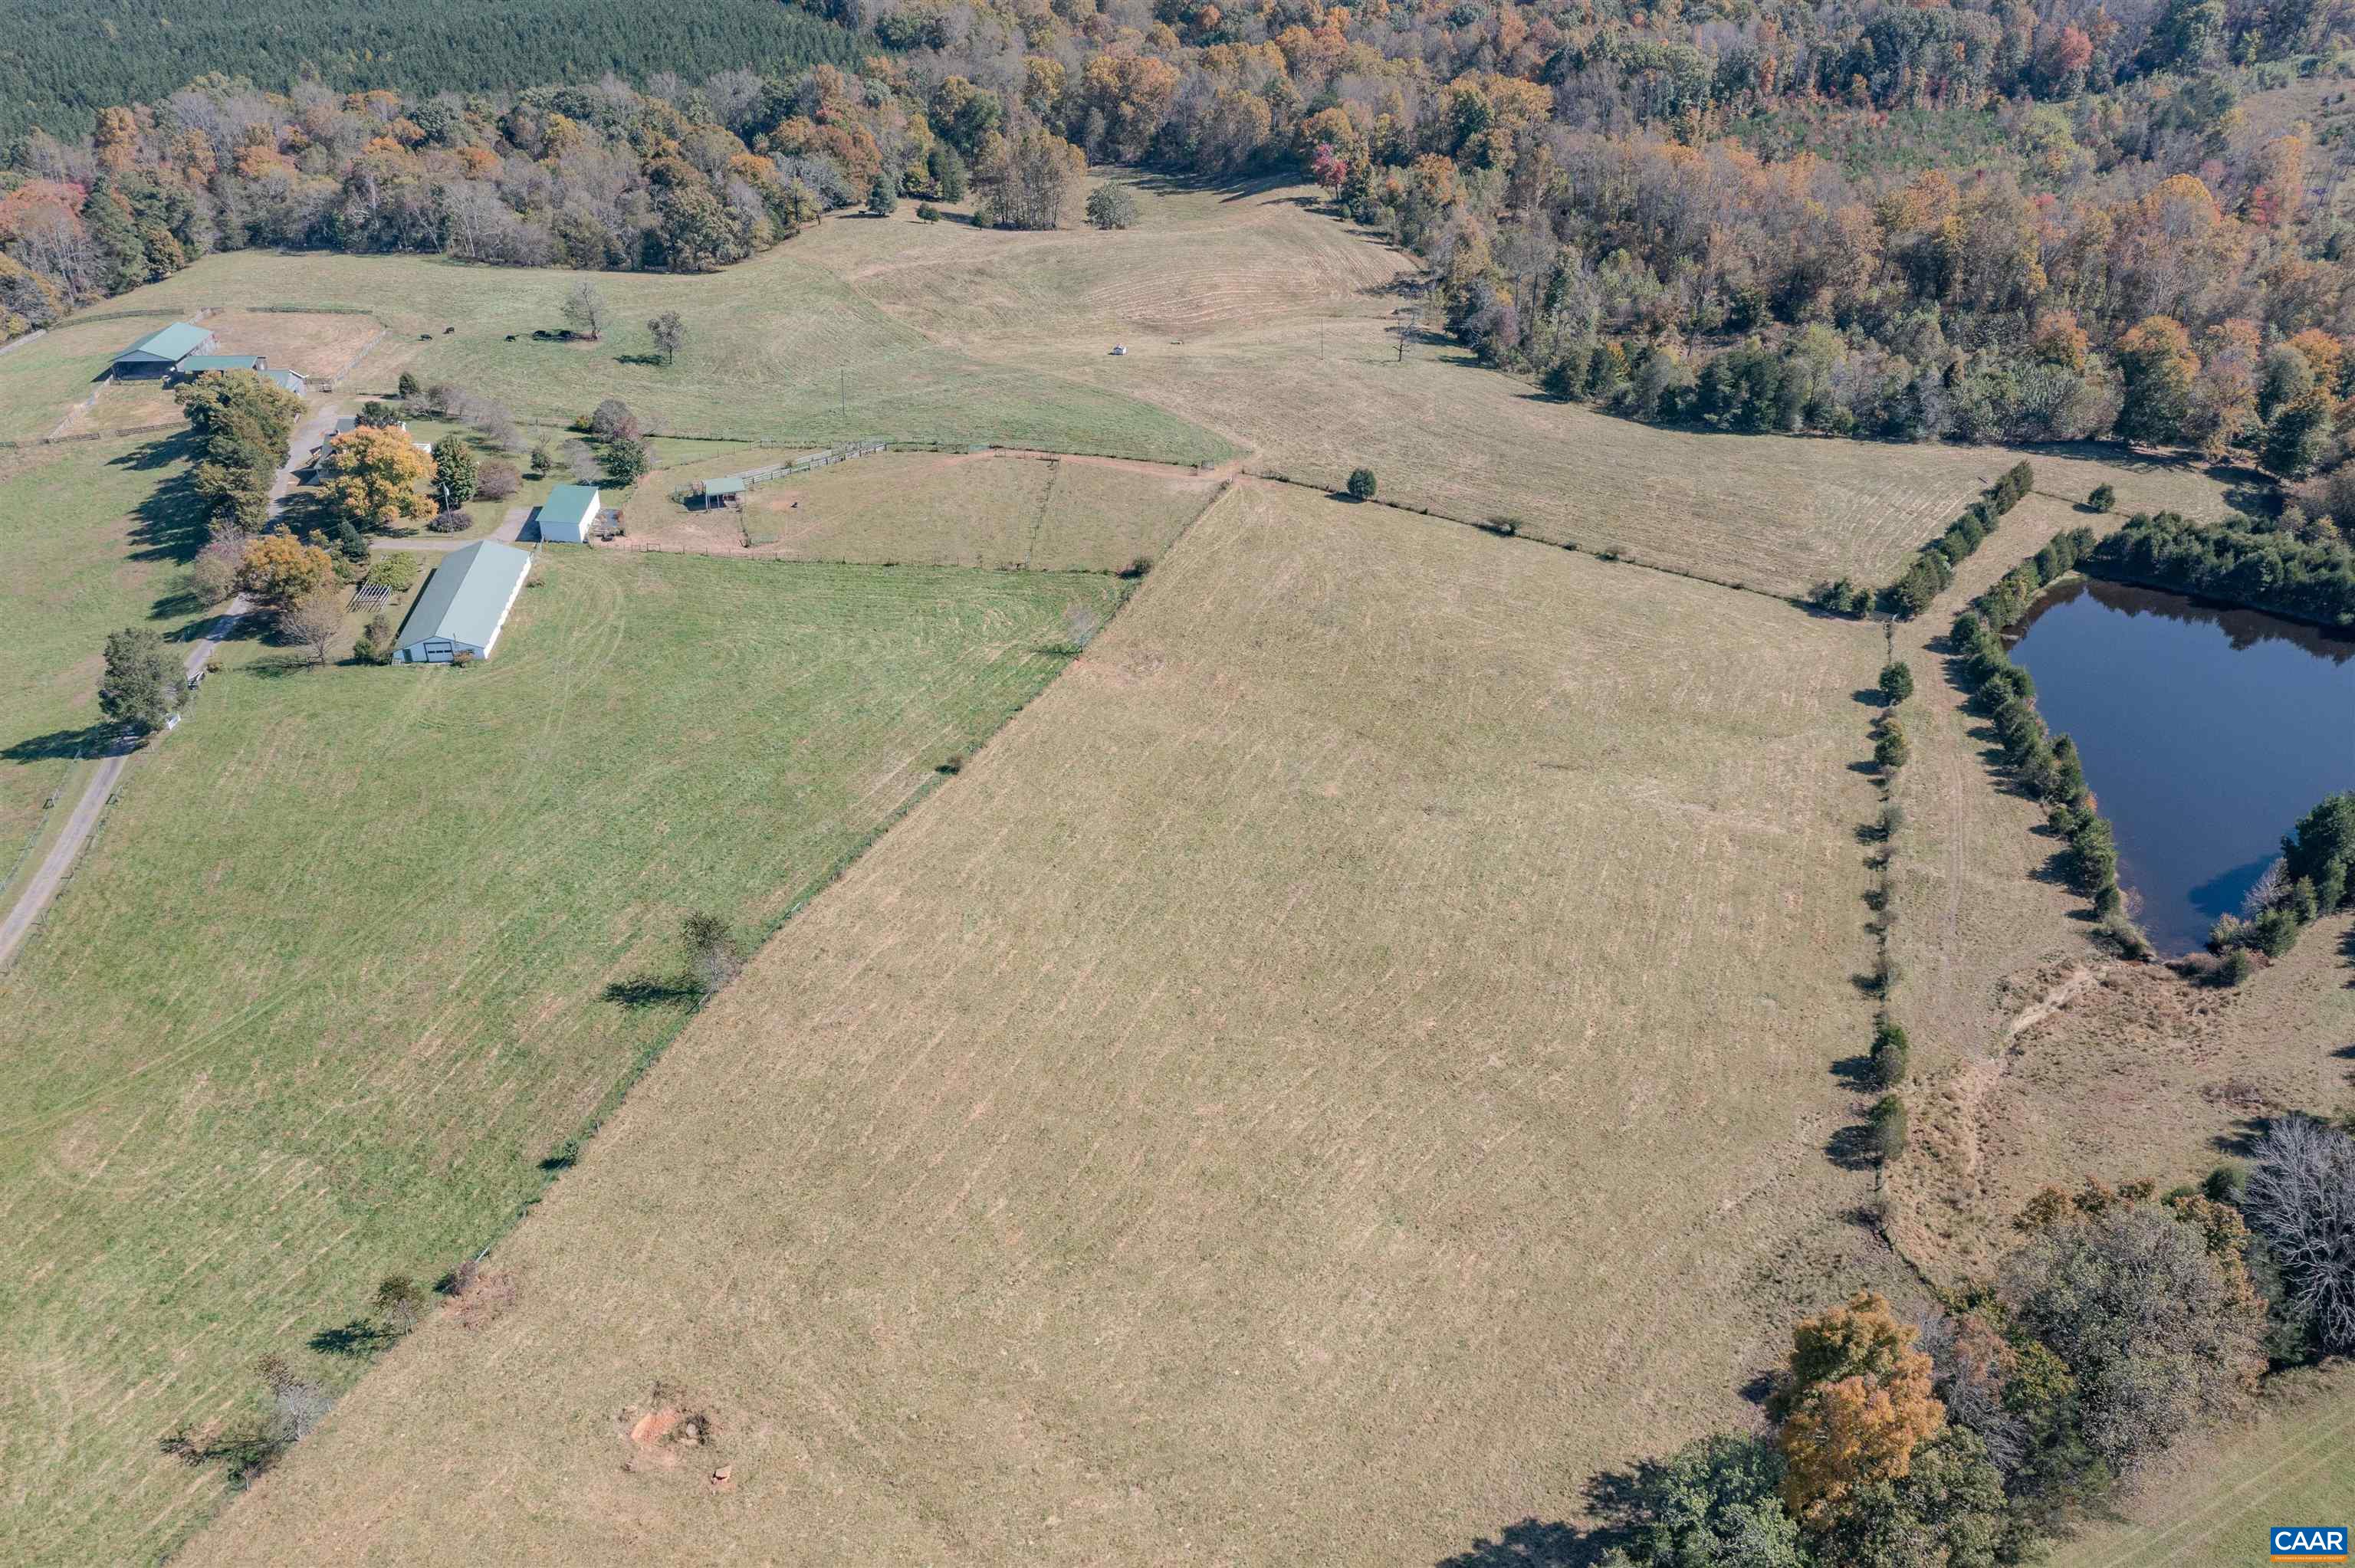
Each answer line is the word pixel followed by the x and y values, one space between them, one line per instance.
pixel 2206 733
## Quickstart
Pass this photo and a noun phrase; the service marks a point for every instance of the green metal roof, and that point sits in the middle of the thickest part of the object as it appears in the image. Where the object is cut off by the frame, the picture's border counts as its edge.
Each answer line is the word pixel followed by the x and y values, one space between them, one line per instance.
pixel 467 596
pixel 286 378
pixel 174 342
pixel 198 363
pixel 567 506
pixel 732 485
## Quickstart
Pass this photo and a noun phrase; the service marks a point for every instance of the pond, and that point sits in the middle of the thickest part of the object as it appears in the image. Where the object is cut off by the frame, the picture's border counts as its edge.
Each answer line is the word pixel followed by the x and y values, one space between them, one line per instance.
pixel 2206 733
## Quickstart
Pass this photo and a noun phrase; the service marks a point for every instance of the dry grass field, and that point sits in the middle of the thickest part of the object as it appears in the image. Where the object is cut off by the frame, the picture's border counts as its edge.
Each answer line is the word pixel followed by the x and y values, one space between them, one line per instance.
pixel 44 384
pixel 1353 1058
pixel 1284 318
pixel 778 350
pixel 998 510
pixel 2037 1058
pixel 331 984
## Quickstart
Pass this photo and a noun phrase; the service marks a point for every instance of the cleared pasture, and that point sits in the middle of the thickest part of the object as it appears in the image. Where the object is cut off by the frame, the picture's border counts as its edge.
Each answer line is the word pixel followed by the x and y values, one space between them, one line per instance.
pixel 42 380
pixel 331 984
pixel 997 510
pixel 778 349
pixel 1287 315
pixel 1349 1060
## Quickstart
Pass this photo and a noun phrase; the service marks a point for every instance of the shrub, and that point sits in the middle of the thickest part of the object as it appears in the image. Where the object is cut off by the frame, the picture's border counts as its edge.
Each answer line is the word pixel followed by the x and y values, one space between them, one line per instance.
pixel 463 657
pixel 1896 682
pixel 1888 1129
pixel 1890 1054
pixel 542 459
pixel 2119 929
pixel 2235 967
pixel 1361 483
pixel 399 1303
pixel 1112 207
pixel 395 569
pixel 1892 820
pixel 451 522
pixel 212 577
pixel 1841 597
pixel 2105 498
pixel 927 212
pixel 1563 380
pixel 376 644
pixel 1890 750
pixel 497 481
pixel 1137 567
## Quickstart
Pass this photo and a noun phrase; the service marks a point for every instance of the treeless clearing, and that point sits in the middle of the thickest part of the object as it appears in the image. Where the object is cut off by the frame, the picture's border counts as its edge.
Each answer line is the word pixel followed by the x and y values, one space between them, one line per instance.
pixel 1351 1058
pixel 331 982
pixel 42 381
pixel 122 405
pixel 982 509
pixel 318 345
pixel 1286 317
pixel 778 349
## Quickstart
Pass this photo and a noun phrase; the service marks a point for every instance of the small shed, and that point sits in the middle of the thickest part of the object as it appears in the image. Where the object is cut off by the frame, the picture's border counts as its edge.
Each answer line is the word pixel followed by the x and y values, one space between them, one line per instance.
pixel 567 513
pixel 720 491
pixel 465 604
pixel 290 379
pixel 161 351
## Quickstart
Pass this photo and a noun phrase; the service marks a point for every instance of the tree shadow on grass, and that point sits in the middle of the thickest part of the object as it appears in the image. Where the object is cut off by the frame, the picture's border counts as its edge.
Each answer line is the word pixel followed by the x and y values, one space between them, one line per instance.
pixel 1851 1149
pixel 1614 1498
pixel 359 1339
pixel 654 991
pixel 1855 1073
pixel 173 521
pixel 89 740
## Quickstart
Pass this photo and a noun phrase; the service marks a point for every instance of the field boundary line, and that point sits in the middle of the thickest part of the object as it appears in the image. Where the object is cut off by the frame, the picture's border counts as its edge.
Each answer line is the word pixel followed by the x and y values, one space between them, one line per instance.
pixel 2301 1453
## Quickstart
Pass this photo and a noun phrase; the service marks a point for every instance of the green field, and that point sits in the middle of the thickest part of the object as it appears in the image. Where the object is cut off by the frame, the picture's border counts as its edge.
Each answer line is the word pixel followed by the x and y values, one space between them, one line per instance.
pixel 331 984
pixel 91 533
pixel 778 349
pixel 2210 1506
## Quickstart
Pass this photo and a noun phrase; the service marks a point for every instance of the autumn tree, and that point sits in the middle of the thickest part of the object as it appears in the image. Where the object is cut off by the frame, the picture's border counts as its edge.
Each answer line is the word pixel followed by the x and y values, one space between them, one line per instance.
pixel 1854 1401
pixel 2156 366
pixel 1026 180
pixel 373 475
pixel 314 621
pixel 279 570
pixel 143 685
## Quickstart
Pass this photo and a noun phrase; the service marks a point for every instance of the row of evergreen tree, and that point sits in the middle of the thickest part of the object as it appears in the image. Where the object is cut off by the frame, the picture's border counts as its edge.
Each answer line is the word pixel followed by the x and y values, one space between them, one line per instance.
pixel 2241 559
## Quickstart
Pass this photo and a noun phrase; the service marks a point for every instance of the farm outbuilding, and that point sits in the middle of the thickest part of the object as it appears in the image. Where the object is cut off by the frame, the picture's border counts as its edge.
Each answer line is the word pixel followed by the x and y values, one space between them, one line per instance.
pixel 161 351
pixel 290 379
pixel 198 363
pixel 568 512
pixel 465 604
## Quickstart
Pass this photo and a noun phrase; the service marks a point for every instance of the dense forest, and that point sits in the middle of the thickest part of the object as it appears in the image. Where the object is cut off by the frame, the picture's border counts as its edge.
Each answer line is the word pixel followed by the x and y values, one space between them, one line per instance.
pixel 61 61
pixel 2028 224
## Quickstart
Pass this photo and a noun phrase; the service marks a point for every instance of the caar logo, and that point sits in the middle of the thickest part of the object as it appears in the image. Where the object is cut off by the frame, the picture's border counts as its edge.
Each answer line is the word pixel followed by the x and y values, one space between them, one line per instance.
pixel 2309 1543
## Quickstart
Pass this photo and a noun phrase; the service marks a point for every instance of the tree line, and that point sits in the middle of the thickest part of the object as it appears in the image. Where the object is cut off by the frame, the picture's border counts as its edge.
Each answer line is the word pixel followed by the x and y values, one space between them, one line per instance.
pixel 2248 561
pixel 1933 566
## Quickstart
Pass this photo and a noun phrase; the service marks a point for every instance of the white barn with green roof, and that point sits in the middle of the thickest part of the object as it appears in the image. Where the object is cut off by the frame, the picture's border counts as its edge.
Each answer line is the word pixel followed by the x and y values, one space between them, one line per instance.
pixel 465 604
pixel 161 351
pixel 567 513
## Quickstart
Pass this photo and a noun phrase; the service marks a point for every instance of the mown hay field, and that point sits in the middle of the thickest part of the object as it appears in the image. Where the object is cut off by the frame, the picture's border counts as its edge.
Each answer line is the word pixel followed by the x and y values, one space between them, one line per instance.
pixel 93 534
pixel 997 510
pixel 330 985
pixel 1351 1059
pixel 1286 317
pixel 778 349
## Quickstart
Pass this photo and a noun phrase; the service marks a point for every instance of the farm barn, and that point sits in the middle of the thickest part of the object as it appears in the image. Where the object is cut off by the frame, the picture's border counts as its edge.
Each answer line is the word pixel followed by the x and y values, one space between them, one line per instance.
pixel 567 513
pixel 161 351
pixel 465 604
